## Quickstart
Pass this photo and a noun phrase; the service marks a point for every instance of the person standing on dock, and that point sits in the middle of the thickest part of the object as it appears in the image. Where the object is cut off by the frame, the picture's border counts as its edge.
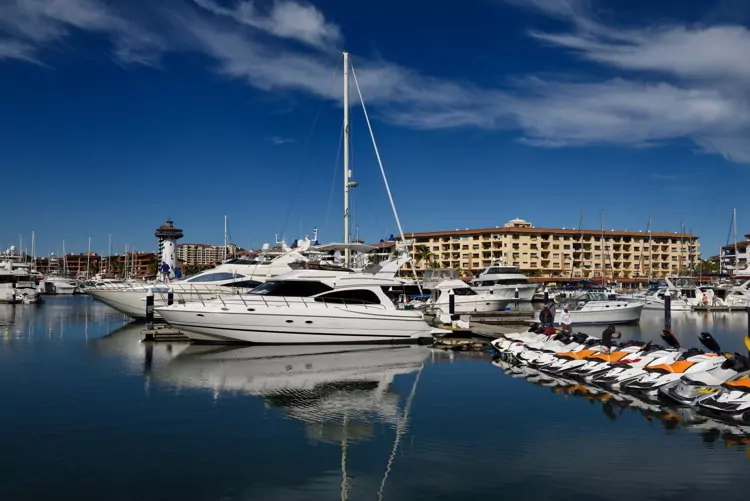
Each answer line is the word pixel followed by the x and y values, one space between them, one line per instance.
pixel 607 335
pixel 165 272
pixel 545 317
pixel 566 320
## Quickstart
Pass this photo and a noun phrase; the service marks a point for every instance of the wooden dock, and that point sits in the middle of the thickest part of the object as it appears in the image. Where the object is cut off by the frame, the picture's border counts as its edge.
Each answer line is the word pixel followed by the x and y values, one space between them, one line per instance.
pixel 717 309
pixel 163 333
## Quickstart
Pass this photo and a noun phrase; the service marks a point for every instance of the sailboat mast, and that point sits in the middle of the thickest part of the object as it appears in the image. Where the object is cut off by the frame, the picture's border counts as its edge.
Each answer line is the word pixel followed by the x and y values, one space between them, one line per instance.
pixel 225 238
pixel 604 262
pixel 109 253
pixel 734 231
pixel 650 253
pixel 347 173
pixel 88 261
pixel 33 250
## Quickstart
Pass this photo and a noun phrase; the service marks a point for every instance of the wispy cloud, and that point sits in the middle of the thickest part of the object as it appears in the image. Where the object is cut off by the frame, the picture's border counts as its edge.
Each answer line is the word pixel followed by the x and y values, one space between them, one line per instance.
pixel 34 24
pixel 278 140
pixel 285 19
pixel 674 81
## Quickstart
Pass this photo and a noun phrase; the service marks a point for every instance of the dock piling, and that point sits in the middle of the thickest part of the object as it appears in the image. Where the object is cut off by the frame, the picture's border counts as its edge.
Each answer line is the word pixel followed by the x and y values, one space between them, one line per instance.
pixel 668 312
pixel 150 309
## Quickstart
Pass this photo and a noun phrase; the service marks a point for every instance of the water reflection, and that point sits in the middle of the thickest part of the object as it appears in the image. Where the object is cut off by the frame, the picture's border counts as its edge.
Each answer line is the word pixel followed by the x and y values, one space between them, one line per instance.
pixel 57 317
pixel 95 414
pixel 728 328
pixel 614 404
pixel 313 384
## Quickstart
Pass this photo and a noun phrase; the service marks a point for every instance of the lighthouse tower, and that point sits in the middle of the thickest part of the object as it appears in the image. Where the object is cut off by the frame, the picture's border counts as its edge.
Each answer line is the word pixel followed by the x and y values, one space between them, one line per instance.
pixel 168 236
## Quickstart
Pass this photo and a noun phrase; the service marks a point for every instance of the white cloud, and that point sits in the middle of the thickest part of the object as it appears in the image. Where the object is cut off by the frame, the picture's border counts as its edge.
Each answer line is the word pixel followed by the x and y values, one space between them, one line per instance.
pixel 675 81
pixel 35 24
pixel 278 140
pixel 13 49
pixel 285 19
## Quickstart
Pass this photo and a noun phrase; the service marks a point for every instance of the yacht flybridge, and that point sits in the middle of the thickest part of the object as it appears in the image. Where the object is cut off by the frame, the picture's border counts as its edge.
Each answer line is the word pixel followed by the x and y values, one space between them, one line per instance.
pixel 305 306
pixel 502 281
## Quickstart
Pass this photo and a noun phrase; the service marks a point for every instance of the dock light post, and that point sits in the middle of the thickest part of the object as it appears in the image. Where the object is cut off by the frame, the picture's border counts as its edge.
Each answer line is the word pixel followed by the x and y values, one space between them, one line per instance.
pixel 515 294
pixel 668 312
pixel 451 302
pixel 170 297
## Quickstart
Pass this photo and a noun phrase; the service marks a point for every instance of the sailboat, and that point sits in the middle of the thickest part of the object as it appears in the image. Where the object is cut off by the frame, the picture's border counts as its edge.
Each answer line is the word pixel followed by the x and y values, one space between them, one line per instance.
pixel 311 306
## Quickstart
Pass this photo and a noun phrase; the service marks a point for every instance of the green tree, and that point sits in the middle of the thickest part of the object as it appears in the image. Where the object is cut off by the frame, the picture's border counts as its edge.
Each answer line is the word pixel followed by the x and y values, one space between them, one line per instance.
pixel 423 254
pixel 706 266
pixel 153 266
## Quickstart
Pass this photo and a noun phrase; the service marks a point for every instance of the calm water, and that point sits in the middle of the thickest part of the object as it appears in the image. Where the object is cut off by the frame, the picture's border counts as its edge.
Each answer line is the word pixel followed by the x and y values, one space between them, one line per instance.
pixel 91 413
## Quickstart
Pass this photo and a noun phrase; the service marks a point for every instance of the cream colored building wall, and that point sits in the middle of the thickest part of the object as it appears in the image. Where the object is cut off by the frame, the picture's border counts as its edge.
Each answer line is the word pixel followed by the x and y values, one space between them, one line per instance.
pixel 552 255
pixel 203 254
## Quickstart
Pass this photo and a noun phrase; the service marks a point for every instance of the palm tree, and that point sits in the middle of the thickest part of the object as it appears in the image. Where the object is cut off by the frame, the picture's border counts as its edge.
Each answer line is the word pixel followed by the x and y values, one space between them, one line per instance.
pixel 423 254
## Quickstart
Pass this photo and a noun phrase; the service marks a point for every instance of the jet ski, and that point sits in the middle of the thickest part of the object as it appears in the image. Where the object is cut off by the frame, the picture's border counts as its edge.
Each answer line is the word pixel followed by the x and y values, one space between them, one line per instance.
pixel 634 367
pixel 574 342
pixel 731 400
pixel 561 362
pixel 691 388
pixel 515 340
pixel 562 342
pixel 603 362
pixel 692 361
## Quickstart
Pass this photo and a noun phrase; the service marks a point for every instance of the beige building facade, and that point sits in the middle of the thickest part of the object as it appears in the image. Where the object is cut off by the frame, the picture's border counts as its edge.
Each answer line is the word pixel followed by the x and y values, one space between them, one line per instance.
pixel 203 254
pixel 558 252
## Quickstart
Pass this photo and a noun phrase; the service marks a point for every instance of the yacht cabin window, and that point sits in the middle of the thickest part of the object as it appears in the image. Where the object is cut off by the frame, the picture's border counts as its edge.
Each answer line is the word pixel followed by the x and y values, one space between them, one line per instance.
pixel 291 288
pixel 464 292
pixel 246 284
pixel 355 296
pixel 215 277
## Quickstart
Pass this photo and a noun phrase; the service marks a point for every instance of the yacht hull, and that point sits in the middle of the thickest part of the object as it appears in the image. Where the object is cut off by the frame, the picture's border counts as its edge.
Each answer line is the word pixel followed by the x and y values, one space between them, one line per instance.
pixel 508 292
pixel 298 325
pixel 133 302
pixel 622 315
pixel 674 305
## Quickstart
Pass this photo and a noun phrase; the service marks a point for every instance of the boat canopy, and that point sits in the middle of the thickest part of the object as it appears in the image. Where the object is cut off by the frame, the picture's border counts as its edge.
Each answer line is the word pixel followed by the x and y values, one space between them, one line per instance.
pixel 357 247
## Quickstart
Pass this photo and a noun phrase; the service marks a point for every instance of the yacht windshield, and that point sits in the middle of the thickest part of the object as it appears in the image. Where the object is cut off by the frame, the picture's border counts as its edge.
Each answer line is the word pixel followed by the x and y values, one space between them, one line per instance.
pixel 504 270
pixel 291 288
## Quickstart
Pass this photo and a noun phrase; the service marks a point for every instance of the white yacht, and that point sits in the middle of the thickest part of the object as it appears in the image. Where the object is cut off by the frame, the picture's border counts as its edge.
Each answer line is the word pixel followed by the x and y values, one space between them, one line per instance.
pixel 232 275
pixel 683 291
pixel 305 307
pixel 597 308
pixel 58 285
pixel 502 281
pixel 17 282
pixel 466 299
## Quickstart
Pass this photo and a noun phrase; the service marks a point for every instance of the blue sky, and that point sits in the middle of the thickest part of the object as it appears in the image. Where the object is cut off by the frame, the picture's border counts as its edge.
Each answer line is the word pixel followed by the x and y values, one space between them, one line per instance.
pixel 117 115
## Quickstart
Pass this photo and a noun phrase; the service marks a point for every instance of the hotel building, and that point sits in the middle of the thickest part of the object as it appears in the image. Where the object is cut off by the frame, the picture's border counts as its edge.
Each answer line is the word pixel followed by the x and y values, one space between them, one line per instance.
pixel 559 253
pixel 203 254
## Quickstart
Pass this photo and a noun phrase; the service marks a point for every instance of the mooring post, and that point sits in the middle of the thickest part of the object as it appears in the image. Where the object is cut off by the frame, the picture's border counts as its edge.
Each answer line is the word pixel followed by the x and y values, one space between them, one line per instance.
pixel 451 302
pixel 170 297
pixel 150 309
pixel 668 312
